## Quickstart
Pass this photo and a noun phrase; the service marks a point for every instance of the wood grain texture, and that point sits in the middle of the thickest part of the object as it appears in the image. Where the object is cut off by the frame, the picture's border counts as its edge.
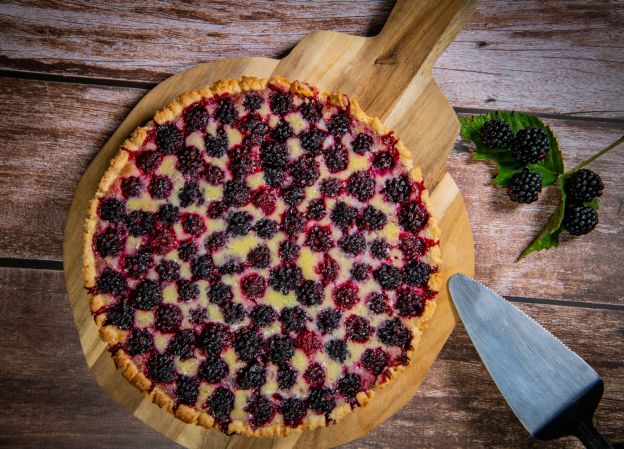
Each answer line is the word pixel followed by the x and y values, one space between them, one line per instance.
pixel 50 399
pixel 38 177
pixel 558 56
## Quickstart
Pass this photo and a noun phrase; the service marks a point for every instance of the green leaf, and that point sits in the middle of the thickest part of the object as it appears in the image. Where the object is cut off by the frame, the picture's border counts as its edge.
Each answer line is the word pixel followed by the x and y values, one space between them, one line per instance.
pixel 594 204
pixel 549 168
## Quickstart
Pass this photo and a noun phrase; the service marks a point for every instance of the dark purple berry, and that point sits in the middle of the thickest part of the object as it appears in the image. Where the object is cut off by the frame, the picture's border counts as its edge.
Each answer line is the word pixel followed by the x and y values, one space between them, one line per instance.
pixel 524 186
pixel 393 333
pixel 216 145
pixel 293 318
pixel 168 214
pixel 109 242
pixel 361 185
pixel 349 385
pixel 360 271
pixel 314 375
pixel 168 318
pixel 310 293
pixel 322 400
pixel 409 303
pixel 274 177
pixel 379 249
pixel 388 276
pixel 263 315
pixel 215 241
pixel 161 368
pixel 213 370
pixel 139 222
pixel 247 344
pixel 239 223
pixel 346 295
pixel 305 171
pixel 169 138
pixel 336 158
pixel 293 195
pixel 293 411
pixel 187 390
pixel 413 217
pixel 339 124
pixel 190 194
pixel 384 160
pixel 236 193
pixel 328 268
pixel 111 282
pixel 331 187
pixel 374 360
pixel 312 141
pixel 266 228
pixel 411 246
pixel 261 410
pixel 190 161
pixel 398 189
pixel 285 278
pixel 378 303
pixel 358 329
pixel 132 186
pixel 139 341
pixel 337 350
pixel 138 264
pixel 274 154
pixel 293 222
pixel 220 404
pixel 220 294
pixel 187 290
pixel 281 349
pixel 319 239
pixel 201 267
pixel 343 215
pixel 182 344
pixel 373 219
pixel 195 118
pixel 226 111
pixel 148 161
pixel 580 220
pixel 193 224
pixel 496 134
pixel 416 273
pixel 353 244
pixel 251 376
pixel 120 315
pixel 286 377
pixel 584 185
pixel 147 295
pixel 530 145
pixel 199 315
pixel 252 102
pixel 282 132
pixel 288 250
pixel 253 286
pixel 214 338
pixel 215 209
pixel 328 320
pixel 112 209
pixel 316 209
pixel 259 257
pixel 213 175
pixel 312 111
pixel 362 143
pixel 280 102
pixel 187 250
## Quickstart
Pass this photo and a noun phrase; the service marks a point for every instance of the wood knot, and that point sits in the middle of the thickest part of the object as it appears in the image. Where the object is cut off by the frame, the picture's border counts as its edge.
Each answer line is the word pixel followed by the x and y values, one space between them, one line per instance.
pixel 387 59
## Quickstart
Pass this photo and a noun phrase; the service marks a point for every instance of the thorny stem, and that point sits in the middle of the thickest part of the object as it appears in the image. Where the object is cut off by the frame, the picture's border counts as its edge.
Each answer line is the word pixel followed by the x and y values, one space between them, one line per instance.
pixel 597 155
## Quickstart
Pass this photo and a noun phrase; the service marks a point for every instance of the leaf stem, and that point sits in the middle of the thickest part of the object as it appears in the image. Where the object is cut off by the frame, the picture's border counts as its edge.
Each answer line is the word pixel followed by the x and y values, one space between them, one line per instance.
pixel 597 155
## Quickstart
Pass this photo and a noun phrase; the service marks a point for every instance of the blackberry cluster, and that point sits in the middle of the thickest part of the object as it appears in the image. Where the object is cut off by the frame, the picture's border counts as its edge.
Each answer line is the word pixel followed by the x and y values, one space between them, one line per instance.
pixel 337 350
pixel 349 385
pixel 251 376
pixel 293 222
pixel 343 215
pixel 201 267
pixel 168 270
pixel 362 143
pixel 138 264
pixel 375 360
pixel 584 185
pixel 314 375
pixel 312 111
pixel 109 242
pixel 416 273
pixel 373 219
pixel 168 214
pixel 236 193
pixel 286 377
pixel 312 141
pixel 226 112
pixel 293 195
pixel 148 161
pixel 497 134
pixel 328 269
pixel 139 341
pixel 187 390
pixel 190 161
pixel 139 222
pixel 263 315
pixel 216 145
pixel 379 249
pixel 161 368
pixel 316 209
pixel 280 102
pixel 147 295
pixel 409 303
pixel 384 160
pixel 361 185
pixel 252 102
pixel 398 189
pixel 253 286
pixel 331 187
pixel 195 118
pixel 131 186
pixel 214 338
pixel 580 220
pixel 259 257
pixel 336 158
pixel 220 405
pixel 282 132
pixel 285 278
pixel 322 400
pixel 239 223
pixel 190 194
pixel 353 244
pixel 261 409
pixel 112 209
pixel 213 370
pixel 187 250
pixel 524 186
pixel 293 318
pixel 530 145
pixel 413 216
pixel 266 228
pixel 328 320
pixel 247 344
pixel 358 329
pixel 339 124
pixel 169 139
pixel 220 294
pixel 187 290
pixel 168 318
pixel 293 410
pixel 309 293
pixel 346 296
pixel 388 276
pixel 305 171
pixel 360 271
pixel 182 344
pixel 281 349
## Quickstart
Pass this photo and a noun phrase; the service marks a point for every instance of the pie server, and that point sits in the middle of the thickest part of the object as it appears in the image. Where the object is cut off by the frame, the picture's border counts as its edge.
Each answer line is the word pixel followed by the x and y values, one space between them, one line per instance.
pixel 551 389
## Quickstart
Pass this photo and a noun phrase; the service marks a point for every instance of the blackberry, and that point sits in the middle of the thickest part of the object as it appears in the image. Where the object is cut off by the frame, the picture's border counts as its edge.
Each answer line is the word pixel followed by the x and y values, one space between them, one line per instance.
pixel 239 223
pixel 187 250
pixel 226 111
pixel 328 320
pixel 252 102
pixel 373 219
pixel 217 145
pixel 199 315
pixel 282 132
pixel 316 209
pixel 247 344
pixel 236 193
pixel 360 271
pixel 231 267
pixel 584 185
pixel 362 143
pixel 328 268
pixel 215 241
pixel 139 222
pixel 260 409
pixel 397 189
pixel 182 344
pixel 374 360
pixel 274 154
pixel 220 294
pixel 256 129
pixel 148 161
pixel 319 239
pixel 393 333
pixel 314 375
pixel 193 224
pixel 187 290
pixel 413 216
pixel 524 186
pixel 379 249
pixel 312 111
pixel 112 209
pixel 309 342
pixel 169 138
pixel 195 118
pixel 168 270
pixel 580 220
pixel 242 162
pixel 349 385
pixel 132 186
pixel 336 158
pixel 147 295
pixel 293 222
pixel 264 199
pixel 346 296
pixel 190 194
pixel 109 242
pixel 293 411
pixel 201 267
pixel 337 350
pixel 496 134
pixel 339 124
pixel 263 315
pixel 190 161
pixel 358 329
pixel 213 175
pixel 309 293
pixel 213 370
pixel 384 160
pixel 409 303
pixel 120 315
pixel 168 214
pixel 138 264
pixel 331 187
pixel 343 215
pixel 162 241
pixel 139 341
pixel 281 349
pixel 411 246
pixel 214 338
pixel 187 390
pixel 168 318
pixel 253 286
pixel 312 141
pixel 274 177
pixel 259 257
pixel 353 244
pixel 280 102
pixel 387 276
pixel 111 282
pixel 293 318
pixel 305 171
pixel 286 377
pixel 161 368
pixel 266 228
pixel 361 185
pixel 251 376
pixel 220 404
pixel 322 400
pixel 288 250
pixel 530 145
pixel 215 209
pixel 377 303
pixel 293 195
pixel 416 273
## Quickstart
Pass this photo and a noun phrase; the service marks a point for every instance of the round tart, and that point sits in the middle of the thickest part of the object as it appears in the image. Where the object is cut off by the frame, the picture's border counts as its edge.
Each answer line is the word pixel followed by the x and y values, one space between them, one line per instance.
pixel 261 258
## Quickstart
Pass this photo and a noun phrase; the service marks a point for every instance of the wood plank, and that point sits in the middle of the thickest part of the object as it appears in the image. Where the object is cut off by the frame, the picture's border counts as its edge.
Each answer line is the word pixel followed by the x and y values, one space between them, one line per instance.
pixel 56 129
pixel 50 399
pixel 559 57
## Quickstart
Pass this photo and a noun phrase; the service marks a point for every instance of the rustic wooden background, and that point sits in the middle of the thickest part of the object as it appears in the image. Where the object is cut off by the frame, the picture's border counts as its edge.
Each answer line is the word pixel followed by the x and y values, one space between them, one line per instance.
pixel 71 71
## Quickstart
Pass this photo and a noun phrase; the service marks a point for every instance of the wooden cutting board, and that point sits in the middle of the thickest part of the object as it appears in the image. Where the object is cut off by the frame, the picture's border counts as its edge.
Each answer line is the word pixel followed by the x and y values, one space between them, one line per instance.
pixel 390 76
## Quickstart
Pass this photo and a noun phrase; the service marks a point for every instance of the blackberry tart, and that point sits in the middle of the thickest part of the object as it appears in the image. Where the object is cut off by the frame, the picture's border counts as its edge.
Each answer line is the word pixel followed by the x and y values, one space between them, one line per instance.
pixel 260 257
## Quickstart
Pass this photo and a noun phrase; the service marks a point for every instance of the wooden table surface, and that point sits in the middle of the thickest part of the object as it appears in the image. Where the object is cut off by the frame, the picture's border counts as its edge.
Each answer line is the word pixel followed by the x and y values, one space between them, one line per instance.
pixel 71 71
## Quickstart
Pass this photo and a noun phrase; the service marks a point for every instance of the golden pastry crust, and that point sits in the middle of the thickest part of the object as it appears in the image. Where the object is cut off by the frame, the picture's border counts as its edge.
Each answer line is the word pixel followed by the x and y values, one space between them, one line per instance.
pixel 112 335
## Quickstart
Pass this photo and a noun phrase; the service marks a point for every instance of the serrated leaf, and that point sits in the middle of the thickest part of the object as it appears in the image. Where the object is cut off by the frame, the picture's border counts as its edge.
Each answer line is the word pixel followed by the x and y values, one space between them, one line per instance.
pixel 549 237
pixel 548 177
pixel 505 171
